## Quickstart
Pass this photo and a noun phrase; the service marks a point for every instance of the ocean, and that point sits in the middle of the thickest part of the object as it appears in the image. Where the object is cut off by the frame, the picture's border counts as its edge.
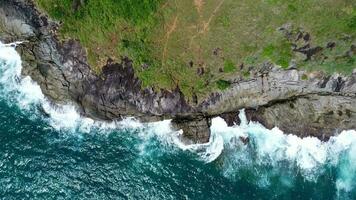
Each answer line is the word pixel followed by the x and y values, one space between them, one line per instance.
pixel 51 152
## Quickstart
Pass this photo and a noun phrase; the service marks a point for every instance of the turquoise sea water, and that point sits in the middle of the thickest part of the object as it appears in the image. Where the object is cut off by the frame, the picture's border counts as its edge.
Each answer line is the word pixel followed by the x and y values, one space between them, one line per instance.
pixel 61 155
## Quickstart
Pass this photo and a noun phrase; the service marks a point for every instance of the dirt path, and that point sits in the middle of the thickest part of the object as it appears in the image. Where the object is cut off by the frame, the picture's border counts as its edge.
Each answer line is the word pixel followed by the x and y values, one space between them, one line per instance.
pixel 171 29
pixel 205 24
pixel 199 5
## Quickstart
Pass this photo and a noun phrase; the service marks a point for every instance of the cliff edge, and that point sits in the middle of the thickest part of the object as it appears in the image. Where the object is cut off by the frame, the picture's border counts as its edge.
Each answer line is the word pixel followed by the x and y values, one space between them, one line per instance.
pixel 320 105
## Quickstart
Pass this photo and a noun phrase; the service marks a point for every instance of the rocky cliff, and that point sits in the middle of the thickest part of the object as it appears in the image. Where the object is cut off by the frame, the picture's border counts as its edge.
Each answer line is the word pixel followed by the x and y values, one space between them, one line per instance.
pixel 319 105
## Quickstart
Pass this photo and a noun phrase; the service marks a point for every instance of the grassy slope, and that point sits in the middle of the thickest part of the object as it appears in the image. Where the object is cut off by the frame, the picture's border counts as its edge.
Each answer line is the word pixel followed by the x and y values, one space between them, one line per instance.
pixel 216 35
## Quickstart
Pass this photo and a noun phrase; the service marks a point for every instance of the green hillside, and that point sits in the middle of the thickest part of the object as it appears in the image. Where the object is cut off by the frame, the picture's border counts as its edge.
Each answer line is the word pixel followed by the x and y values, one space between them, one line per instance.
pixel 201 45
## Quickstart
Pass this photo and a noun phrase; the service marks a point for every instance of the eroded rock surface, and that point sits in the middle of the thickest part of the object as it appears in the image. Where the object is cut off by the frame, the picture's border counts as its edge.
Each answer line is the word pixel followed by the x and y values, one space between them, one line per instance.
pixel 320 106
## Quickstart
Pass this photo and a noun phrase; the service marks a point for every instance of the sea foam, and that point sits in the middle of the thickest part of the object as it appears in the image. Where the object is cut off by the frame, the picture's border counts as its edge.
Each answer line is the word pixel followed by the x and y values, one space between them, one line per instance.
pixel 271 148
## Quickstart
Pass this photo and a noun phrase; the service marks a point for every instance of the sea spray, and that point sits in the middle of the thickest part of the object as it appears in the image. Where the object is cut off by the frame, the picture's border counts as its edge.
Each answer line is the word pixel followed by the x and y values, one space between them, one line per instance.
pixel 267 154
pixel 26 94
pixel 279 153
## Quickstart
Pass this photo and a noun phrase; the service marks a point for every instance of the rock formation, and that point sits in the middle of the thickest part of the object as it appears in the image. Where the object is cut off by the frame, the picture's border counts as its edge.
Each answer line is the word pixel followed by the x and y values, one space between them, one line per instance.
pixel 319 106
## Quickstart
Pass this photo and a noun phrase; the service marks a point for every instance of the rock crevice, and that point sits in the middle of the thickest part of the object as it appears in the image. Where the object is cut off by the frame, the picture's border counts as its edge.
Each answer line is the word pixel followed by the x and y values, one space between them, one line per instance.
pixel 319 106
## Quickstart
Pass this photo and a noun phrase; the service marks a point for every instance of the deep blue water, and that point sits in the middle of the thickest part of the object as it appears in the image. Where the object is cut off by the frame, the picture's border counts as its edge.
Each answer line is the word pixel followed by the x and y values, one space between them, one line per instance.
pixel 64 156
pixel 37 161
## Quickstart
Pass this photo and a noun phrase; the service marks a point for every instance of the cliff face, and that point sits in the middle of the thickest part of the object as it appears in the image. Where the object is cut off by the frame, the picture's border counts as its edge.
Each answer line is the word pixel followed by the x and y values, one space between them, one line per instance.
pixel 320 106
pixel 61 70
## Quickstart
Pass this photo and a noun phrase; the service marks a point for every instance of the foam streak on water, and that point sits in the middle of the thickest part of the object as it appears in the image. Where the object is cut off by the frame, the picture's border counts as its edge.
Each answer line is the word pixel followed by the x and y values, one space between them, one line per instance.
pixel 266 148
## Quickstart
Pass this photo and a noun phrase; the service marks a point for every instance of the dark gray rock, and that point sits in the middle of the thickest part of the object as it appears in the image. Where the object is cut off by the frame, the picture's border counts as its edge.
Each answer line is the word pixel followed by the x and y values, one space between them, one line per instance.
pixel 61 70
pixel 197 128
pixel 320 106
pixel 231 118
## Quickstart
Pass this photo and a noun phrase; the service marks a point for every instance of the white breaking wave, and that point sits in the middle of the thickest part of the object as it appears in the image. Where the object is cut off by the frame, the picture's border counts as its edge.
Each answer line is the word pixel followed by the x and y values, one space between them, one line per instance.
pixel 273 148
pixel 265 147
pixel 13 45
pixel 24 92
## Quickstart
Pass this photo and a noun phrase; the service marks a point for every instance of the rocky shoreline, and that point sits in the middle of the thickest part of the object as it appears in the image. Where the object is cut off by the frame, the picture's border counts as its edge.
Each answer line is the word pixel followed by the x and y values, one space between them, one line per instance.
pixel 320 106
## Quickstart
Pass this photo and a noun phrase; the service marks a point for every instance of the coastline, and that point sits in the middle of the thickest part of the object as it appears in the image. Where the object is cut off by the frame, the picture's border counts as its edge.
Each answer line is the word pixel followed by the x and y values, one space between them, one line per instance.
pixel 320 106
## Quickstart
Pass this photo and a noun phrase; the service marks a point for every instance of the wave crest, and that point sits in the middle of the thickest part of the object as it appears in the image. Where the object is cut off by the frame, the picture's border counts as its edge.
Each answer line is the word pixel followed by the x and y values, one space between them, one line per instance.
pixel 263 149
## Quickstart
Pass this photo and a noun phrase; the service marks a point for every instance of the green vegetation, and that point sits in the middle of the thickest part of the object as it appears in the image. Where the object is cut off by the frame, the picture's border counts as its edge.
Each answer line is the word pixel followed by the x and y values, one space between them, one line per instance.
pixel 178 39
pixel 229 66
pixel 223 84
pixel 304 77
pixel 107 28
pixel 246 74
pixel 279 53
